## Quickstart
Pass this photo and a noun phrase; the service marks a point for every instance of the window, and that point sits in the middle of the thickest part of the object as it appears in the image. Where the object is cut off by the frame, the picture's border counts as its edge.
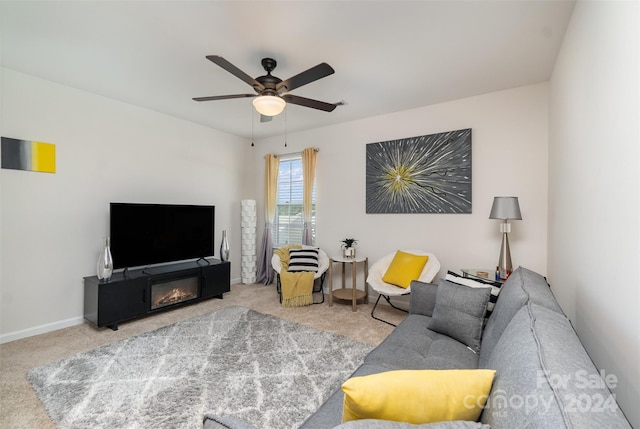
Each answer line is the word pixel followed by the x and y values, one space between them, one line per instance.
pixel 289 220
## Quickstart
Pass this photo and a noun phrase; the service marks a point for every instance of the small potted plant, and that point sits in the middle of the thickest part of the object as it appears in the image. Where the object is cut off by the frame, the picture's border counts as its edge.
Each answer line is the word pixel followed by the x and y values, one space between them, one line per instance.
pixel 348 247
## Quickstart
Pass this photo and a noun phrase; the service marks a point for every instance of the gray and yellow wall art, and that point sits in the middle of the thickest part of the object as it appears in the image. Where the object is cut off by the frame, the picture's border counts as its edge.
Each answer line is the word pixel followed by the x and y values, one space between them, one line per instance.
pixel 425 174
pixel 28 155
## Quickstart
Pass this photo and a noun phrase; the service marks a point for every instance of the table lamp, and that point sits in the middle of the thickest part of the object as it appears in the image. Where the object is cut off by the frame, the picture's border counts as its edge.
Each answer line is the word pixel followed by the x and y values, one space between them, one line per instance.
pixel 505 208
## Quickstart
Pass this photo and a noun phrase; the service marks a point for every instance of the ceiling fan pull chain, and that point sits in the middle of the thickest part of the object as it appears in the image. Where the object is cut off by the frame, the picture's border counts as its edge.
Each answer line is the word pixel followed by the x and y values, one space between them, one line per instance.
pixel 286 115
pixel 252 121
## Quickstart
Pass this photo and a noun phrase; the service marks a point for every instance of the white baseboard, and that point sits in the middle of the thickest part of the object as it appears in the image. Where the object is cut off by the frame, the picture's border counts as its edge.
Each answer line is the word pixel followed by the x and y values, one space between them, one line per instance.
pixel 42 329
pixel 49 327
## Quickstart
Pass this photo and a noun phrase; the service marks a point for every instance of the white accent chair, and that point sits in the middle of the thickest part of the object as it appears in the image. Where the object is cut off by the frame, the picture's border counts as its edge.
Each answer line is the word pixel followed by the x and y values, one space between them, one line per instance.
pixel 323 266
pixel 387 290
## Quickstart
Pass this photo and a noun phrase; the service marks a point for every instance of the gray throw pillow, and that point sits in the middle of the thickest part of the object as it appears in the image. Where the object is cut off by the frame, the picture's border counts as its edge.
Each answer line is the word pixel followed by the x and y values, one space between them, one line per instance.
pixel 459 312
pixel 423 298
pixel 471 282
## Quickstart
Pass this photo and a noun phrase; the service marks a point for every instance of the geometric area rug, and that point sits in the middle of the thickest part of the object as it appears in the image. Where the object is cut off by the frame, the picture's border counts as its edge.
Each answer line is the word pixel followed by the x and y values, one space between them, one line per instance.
pixel 233 362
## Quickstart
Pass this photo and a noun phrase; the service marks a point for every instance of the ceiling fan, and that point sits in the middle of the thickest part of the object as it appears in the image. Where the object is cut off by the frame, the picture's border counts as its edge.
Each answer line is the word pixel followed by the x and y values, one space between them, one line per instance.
pixel 272 92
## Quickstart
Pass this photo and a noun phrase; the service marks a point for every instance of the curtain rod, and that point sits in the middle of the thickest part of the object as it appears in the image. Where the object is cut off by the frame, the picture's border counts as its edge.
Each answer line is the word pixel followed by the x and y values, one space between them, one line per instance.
pixel 292 153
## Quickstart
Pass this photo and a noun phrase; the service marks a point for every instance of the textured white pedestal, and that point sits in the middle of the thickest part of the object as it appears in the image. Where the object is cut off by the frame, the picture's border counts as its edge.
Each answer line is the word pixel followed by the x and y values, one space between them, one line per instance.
pixel 249 252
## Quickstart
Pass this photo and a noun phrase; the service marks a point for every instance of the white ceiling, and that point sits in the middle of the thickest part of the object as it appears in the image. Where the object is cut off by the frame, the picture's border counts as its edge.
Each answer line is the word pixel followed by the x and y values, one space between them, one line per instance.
pixel 388 55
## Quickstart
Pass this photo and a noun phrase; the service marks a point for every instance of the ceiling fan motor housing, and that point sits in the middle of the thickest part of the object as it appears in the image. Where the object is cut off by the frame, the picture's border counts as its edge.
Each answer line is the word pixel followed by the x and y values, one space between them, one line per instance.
pixel 269 81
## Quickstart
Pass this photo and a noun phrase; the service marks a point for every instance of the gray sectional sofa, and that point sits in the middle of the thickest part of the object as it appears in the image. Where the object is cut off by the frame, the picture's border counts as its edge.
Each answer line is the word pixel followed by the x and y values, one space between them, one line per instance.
pixel 544 377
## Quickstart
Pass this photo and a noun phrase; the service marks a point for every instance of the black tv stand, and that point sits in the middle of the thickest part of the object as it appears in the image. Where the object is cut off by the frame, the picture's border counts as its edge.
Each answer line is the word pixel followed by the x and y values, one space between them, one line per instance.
pixel 131 294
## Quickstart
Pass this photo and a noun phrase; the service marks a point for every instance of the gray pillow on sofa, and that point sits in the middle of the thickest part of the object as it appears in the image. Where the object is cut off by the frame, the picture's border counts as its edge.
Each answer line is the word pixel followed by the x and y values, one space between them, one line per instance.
pixel 471 282
pixel 423 298
pixel 459 312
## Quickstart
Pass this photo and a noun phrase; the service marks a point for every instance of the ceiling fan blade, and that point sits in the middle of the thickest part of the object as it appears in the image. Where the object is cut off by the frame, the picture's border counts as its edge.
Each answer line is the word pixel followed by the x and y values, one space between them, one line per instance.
pixel 223 97
pixel 216 59
pixel 307 102
pixel 265 118
pixel 308 76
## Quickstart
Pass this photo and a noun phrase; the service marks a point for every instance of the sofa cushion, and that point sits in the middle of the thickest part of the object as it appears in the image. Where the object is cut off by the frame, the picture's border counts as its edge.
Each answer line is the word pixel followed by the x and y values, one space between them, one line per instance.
pixel 387 424
pixel 413 346
pixel 521 287
pixel 459 312
pixel 403 268
pixel 447 353
pixel 418 396
pixel 544 377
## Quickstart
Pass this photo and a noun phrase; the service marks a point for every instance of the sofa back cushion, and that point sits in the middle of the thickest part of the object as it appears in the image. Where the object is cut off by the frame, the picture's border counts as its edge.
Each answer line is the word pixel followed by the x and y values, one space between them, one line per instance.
pixel 522 286
pixel 544 377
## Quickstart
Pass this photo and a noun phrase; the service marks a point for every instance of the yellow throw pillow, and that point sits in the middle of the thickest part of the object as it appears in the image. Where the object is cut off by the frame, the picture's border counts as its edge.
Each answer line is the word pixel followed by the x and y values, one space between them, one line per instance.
pixel 404 268
pixel 418 396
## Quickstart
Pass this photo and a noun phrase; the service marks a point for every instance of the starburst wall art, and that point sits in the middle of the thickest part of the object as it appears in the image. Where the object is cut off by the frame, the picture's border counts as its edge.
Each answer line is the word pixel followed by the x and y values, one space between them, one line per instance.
pixel 425 174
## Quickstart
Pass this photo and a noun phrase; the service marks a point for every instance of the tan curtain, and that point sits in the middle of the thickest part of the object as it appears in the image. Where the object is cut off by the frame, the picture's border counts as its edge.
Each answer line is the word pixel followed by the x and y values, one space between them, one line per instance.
pixel 309 156
pixel 265 272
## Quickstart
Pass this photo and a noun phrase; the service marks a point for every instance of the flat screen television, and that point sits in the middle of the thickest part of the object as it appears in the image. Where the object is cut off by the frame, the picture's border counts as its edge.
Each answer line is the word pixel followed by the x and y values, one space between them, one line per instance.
pixel 145 234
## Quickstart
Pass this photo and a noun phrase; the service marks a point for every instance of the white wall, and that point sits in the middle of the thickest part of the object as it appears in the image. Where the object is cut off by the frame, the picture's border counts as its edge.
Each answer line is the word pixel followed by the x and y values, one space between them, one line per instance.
pixel 509 157
pixel 52 224
pixel 108 151
pixel 593 188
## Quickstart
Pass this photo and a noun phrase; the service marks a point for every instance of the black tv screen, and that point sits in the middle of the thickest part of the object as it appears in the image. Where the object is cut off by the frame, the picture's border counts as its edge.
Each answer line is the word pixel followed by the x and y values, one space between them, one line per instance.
pixel 145 234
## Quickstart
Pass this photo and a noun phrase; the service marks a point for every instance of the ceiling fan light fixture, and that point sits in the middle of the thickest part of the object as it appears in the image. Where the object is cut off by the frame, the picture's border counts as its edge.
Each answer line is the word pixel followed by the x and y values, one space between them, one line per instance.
pixel 269 105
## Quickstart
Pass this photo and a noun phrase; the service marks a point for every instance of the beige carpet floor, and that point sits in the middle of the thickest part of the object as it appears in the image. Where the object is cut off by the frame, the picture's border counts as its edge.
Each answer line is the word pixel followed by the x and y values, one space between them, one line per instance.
pixel 21 408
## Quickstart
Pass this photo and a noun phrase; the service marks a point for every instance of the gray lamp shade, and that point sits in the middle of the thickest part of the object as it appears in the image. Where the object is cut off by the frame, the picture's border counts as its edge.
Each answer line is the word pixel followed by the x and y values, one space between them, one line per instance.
pixel 505 208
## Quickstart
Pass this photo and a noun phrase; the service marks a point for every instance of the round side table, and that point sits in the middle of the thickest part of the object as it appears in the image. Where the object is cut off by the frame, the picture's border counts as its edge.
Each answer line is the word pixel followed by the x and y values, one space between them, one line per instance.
pixel 352 293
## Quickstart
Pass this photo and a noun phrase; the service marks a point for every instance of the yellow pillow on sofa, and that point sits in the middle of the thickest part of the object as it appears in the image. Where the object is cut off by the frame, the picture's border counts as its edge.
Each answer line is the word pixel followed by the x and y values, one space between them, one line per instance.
pixel 403 268
pixel 418 396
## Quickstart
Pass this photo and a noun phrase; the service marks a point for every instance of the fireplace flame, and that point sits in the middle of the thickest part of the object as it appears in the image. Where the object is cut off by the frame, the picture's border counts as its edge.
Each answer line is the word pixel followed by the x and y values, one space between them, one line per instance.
pixel 174 296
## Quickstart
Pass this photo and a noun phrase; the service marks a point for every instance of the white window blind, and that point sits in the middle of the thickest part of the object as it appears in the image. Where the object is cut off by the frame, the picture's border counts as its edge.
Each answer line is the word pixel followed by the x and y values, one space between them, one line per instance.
pixel 289 221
